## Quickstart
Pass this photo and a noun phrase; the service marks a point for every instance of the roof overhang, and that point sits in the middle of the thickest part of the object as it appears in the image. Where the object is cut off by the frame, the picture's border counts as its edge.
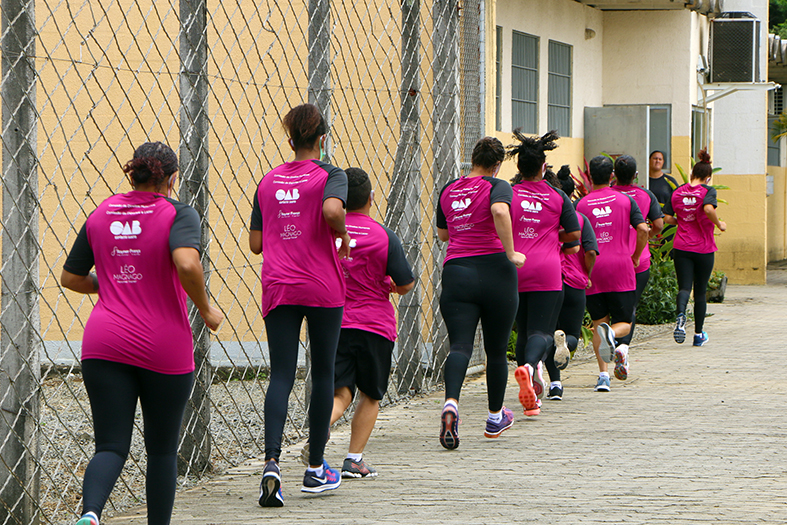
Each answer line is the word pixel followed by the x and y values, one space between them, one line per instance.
pixel 709 7
pixel 777 60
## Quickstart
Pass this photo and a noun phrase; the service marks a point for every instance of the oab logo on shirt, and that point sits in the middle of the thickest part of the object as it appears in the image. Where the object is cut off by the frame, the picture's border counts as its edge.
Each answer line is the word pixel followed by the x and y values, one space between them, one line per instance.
pixel 287 196
pixel 531 206
pixel 461 204
pixel 602 212
pixel 689 201
pixel 124 230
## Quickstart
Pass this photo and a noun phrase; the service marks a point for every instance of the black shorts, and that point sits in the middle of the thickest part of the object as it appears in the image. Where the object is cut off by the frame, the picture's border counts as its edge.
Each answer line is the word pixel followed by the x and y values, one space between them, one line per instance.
pixel 619 306
pixel 363 360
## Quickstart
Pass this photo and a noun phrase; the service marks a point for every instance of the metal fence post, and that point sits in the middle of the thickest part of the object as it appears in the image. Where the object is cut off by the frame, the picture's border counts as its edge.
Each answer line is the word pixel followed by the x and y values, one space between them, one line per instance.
pixel 194 454
pixel 445 144
pixel 20 358
pixel 404 207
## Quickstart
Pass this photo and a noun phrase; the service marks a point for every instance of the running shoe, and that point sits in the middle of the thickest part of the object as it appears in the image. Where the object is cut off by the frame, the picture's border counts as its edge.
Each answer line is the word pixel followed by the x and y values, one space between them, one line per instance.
pixel 307 447
pixel 527 394
pixel 606 348
pixel 495 429
pixel 602 385
pixel 622 362
pixel 680 329
pixel 539 385
pixel 555 393
pixel 270 486
pixel 357 469
pixel 562 354
pixel 701 339
pixel 87 520
pixel 449 431
pixel 329 480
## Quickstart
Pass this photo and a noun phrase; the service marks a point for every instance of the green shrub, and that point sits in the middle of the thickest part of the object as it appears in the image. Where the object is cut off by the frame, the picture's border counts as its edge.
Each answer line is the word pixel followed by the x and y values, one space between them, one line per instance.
pixel 657 304
pixel 511 353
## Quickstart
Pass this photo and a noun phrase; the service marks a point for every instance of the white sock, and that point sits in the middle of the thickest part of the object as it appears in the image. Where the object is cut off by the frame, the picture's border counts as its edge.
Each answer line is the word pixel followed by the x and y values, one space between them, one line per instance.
pixel 698 333
pixel 90 514
pixel 319 472
pixel 355 457
pixel 496 418
pixel 450 403
pixel 555 384
pixel 604 375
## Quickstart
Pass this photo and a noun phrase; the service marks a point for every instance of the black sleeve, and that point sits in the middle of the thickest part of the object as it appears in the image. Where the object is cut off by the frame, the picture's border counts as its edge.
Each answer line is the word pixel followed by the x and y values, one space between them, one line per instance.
pixel 185 231
pixel 336 185
pixel 398 267
pixel 440 218
pixel 668 207
pixel 500 192
pixel 674 185
pixel 80 259
pixel 255 223
pixel 655 208
pixel 710 197
pixel 589 241
pixel 636 215
pixel 568 215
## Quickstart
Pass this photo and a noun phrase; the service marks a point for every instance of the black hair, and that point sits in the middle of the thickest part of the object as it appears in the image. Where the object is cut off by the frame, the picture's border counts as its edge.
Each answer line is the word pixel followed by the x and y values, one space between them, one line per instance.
pixel 625 169
pixel 566 182
pixel 600 170
pixel 487 152
pixel 531 153
pixel 656 151
pixel 153 164
pixel 551 178
pixel 359 187
pixel 702 169
pixel 304 124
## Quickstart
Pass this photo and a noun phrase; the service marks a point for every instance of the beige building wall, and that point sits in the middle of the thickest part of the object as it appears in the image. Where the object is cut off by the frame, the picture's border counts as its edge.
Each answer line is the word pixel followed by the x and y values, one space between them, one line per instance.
pixel 777 215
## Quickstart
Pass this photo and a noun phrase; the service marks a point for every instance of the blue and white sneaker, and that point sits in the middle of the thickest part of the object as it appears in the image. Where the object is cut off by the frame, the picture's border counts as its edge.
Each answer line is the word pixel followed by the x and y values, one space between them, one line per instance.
pixel 270 486
pixel 602 385
pixel 329 480
pixel 606 348
pixel 701 339
pixel 679 334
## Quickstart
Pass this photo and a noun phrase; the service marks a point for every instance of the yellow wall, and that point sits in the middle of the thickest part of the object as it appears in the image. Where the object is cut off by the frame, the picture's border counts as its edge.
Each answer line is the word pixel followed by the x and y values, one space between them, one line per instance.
pixel 777 215
pixel 742 248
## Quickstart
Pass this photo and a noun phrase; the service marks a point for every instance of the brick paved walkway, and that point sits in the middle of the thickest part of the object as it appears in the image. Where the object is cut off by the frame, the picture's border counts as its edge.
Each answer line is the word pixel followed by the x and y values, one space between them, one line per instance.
pixel 696 435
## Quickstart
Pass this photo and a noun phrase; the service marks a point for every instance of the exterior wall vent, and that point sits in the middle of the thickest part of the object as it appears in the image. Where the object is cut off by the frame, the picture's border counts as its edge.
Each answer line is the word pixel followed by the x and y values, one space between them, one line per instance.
pixel 734 48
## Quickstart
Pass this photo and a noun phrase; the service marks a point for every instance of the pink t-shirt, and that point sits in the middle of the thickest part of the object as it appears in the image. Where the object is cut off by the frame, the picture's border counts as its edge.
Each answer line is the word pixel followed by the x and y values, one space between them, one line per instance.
pixel 140 318
pixel 375 258
pixel 538 211
pixel 651 209
pixel 465 211
pixel 300 262
pixel 575 274
pixel 612 215
pixel 695 229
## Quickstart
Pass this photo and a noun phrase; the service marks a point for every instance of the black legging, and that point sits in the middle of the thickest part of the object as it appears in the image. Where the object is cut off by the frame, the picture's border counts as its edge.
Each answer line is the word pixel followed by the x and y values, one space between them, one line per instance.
pixel 535 322
pixel 642 283
pixel 693 268
pixel 283 326
pixel 480 287
pixel 572 312
pixel 113 389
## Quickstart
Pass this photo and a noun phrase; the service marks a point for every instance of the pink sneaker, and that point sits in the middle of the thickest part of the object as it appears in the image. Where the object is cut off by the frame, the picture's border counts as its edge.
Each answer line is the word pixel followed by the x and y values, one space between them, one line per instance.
pixel 527 395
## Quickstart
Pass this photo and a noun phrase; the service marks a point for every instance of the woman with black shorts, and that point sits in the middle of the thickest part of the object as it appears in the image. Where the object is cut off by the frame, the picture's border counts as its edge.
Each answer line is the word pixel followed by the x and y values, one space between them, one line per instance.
pixel 692 208
pixel 137 343
pixel 298 215
pixel 479 282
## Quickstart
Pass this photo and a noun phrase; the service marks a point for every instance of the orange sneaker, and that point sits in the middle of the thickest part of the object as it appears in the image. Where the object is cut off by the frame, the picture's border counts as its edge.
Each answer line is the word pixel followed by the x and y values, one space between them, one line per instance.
pixel 527 395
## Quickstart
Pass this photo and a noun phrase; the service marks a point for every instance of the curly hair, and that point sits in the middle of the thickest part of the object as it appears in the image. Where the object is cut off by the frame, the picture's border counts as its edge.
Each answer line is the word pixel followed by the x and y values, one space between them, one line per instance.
pixel 153 164
pixel 530 153
pixel 702 169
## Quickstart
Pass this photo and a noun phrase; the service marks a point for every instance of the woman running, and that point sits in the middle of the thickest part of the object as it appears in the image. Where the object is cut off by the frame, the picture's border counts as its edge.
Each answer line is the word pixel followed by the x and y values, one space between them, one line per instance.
pixel 137 343
pixel 543 218
pixel 479 282
pixel 692 208
pixel 577 260
pixel 298 215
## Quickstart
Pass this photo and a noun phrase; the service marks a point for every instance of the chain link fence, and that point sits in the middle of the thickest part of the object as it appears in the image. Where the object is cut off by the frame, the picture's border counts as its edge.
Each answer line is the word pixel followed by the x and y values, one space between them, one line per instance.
pixel 83 83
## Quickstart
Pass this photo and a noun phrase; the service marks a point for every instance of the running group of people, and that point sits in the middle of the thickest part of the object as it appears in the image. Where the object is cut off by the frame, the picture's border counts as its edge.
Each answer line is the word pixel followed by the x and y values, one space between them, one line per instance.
pixel 517 253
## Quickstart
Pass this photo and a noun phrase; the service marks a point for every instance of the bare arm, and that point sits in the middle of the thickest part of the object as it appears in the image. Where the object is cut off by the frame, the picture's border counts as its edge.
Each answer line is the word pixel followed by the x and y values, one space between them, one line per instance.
pixel 192 279
pixel 401 290
pixel 442 234
pixel 79 283
pixel 333 211
pixel 255 241
pixel 572 250
pixel 502 217
pixel 570 236
pixel 642 242
pixel 670 219
pixel 590 262
pixel 656 227
pixel 710 211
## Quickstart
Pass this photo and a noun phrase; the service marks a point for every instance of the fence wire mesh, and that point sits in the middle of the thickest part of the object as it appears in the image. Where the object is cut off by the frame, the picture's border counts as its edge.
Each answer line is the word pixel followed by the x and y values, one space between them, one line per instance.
pixel 84 82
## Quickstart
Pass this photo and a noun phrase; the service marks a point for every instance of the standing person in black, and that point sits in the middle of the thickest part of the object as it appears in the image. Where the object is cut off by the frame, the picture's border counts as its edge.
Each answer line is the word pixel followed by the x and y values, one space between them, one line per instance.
pixel 661 184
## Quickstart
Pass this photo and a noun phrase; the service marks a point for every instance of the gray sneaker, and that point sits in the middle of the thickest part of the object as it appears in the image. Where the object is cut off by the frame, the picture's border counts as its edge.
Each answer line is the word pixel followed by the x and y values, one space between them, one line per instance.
pixel 607 347
pixel 679 334
pixel 357 469
pixel 562 354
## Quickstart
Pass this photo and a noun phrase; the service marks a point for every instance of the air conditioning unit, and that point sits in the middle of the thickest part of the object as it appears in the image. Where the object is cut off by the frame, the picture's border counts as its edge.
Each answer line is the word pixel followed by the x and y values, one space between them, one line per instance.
pixel 734 48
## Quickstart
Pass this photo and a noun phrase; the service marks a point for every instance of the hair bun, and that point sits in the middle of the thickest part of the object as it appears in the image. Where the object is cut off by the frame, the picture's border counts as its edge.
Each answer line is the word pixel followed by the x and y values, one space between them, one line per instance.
pixel 704 156
pixel 564 173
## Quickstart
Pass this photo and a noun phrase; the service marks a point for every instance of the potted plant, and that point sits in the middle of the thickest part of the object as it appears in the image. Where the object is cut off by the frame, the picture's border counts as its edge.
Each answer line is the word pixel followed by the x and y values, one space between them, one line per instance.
pixel 716 287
